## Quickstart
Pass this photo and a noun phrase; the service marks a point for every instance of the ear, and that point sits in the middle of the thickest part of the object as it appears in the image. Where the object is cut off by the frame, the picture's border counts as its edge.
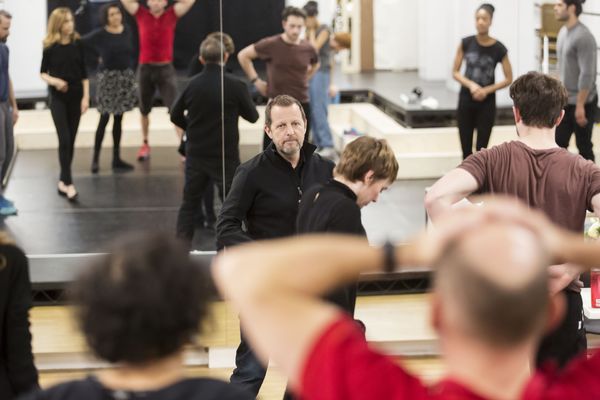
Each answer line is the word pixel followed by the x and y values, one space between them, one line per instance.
pixel 556 311
pixel 517 115
pixel 369 177
pixel 268 132
pixel 225 57
pixel 202 61
pixel 560 118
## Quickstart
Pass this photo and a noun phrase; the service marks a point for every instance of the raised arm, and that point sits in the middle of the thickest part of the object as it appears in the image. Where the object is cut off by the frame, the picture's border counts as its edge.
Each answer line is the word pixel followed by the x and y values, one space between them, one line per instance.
pixel 451 188
pixel 131 6
pixel 182 7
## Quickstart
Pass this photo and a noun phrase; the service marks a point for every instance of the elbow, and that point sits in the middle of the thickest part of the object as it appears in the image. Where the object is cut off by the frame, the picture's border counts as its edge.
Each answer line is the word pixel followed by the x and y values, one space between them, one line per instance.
pixel 431 204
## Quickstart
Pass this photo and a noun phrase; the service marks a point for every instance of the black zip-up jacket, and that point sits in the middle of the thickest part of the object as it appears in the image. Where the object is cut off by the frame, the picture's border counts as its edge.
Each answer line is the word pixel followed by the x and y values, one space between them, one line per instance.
pixel 265 194
pixel 18 374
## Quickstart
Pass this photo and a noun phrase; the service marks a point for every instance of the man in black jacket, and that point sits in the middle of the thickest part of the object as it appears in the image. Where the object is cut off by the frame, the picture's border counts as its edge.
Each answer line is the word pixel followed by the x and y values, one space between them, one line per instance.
pixel 264 197
pixel 198 111
pixel 18 374
pixel 367 167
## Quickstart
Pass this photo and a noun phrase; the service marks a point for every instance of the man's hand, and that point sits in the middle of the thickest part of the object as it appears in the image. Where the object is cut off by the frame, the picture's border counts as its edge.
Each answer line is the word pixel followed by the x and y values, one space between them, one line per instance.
pixel 333 91
pixel 261 86
pixel 15 115
pixel 580 117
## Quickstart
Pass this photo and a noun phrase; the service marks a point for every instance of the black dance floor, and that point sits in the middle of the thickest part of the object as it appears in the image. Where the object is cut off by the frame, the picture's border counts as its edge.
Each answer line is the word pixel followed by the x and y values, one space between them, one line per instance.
pixel 109 204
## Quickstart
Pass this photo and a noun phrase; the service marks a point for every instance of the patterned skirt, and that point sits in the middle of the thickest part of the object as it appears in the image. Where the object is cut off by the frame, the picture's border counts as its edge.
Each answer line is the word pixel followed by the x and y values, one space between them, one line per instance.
pixel 116 91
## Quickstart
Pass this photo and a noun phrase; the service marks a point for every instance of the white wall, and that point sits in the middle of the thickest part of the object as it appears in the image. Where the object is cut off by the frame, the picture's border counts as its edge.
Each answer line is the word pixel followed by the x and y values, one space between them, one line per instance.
pixel 593 22
pixel 443 23
pixel 25 43
pixel 395 33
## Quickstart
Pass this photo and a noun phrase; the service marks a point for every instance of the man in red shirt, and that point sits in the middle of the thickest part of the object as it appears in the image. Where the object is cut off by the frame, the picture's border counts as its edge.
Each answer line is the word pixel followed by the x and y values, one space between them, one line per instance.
pixel 545 176
pixel 490 306
pixel 291 63
pixel 156 26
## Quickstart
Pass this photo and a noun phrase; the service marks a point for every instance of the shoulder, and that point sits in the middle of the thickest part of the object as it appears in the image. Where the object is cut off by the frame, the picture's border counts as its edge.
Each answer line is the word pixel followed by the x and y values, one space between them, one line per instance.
pixel 235 80
pixel 466 41
pixel 501 47
pixel 268 41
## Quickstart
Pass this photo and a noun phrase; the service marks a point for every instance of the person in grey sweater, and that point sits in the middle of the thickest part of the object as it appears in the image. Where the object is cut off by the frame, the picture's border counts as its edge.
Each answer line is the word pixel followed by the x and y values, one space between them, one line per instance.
pixel 577 64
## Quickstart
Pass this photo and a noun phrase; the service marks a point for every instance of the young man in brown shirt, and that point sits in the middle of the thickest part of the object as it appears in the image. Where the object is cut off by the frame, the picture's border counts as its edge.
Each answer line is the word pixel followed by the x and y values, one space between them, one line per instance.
pixel 535 169
pixel 291 62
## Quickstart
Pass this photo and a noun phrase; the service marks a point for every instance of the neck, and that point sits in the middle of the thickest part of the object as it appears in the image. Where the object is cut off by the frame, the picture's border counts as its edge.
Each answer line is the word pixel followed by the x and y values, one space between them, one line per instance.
pixel 65 39
pixel 150 376
pixel 537 138
pixel 483 36
pixel 354 186
pixel 506 371
pixel 157 13
pixel 111 28
pixel 293 159
pixel 288 40
pixel 572 21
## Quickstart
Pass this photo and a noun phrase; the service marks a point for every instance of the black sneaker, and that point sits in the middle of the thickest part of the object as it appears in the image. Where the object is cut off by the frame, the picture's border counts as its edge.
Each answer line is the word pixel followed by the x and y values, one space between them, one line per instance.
pixel 119 165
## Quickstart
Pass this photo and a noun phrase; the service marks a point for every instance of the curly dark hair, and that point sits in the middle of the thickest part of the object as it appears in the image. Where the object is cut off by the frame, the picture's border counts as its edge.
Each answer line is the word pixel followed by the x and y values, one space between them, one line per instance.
pixel 143 301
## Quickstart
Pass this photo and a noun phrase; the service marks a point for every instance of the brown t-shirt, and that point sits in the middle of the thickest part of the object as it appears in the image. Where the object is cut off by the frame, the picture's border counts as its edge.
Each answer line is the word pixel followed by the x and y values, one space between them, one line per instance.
pixel 560 183
pixel 287 66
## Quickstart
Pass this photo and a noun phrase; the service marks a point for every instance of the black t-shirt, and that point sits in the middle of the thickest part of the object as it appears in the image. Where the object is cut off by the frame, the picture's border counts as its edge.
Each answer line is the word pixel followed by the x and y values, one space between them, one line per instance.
pixel 481 63
pixel 67 62
pixel 187 389
pixel 114 49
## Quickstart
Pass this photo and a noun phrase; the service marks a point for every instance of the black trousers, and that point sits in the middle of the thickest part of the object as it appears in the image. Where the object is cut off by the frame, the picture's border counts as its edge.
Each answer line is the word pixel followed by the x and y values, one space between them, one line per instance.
pixel 568 340
pixel 66 113
pixel 306 107
pixel 583 134
pixel 199 173
pixel 116 133
pixel 249 373
pixel 473 115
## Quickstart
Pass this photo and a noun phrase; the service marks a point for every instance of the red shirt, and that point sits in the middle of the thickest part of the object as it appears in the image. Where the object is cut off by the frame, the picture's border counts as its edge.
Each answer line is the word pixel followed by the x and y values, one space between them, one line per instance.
pixel 156 35
pixel 341 366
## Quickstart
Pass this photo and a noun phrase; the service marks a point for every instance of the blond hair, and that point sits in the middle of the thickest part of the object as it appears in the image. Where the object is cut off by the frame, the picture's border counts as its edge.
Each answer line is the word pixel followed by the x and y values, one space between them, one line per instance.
pixel 367 154
pixel 55 22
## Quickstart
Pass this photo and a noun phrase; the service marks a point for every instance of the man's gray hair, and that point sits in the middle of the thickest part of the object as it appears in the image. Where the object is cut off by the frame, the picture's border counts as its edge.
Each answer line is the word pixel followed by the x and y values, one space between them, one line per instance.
pixel 5 14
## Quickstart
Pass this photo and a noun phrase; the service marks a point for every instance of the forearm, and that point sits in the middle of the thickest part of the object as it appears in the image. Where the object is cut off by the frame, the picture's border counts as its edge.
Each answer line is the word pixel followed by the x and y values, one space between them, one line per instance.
pixel 50 80
pixel 460 78
pixel 582 96
pixel 497 86
pixel 248 66
pixel 309 266
pixel 11 95
pixel 86 88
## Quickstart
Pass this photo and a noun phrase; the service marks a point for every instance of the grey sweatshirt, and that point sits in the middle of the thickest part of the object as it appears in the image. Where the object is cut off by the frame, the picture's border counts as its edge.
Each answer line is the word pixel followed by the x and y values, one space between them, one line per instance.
pixel 577 63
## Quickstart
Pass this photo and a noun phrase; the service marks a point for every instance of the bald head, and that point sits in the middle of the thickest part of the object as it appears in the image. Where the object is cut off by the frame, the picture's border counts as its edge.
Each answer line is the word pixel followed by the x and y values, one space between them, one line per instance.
pixel 494 282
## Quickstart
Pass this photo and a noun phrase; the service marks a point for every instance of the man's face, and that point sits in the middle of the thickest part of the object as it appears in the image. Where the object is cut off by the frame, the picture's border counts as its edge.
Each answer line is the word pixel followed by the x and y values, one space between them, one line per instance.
pixel 287 129
pixel 561 11
pixel 292 27
pixel 370 193
pixel 156 6
pixel 4 28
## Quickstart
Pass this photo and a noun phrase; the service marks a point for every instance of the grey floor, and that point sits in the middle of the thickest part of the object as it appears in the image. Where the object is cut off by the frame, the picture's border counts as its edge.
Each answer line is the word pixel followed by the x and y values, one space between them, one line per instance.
pixel 146 199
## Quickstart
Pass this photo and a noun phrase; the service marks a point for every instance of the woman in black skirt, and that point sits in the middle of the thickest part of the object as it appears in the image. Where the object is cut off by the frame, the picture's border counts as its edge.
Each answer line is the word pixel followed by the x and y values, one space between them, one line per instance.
pixel 477 99
pixel 63 68
pixel 116 84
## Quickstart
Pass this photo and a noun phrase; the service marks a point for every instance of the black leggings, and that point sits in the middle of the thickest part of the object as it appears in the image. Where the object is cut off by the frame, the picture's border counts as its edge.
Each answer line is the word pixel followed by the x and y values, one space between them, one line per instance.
pixel 473 115
pixel 66 113
pixel 116 132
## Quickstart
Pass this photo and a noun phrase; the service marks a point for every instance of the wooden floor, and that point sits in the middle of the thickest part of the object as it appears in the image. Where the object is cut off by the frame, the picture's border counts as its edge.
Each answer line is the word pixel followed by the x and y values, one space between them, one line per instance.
pixel 394 324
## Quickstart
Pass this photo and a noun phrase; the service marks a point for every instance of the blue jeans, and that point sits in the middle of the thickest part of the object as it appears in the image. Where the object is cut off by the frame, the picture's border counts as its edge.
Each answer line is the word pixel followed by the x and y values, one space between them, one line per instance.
pixel 318 90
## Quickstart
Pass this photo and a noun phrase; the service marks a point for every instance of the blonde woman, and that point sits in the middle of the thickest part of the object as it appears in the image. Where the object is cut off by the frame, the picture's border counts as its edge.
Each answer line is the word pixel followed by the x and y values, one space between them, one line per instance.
pixel 63 68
